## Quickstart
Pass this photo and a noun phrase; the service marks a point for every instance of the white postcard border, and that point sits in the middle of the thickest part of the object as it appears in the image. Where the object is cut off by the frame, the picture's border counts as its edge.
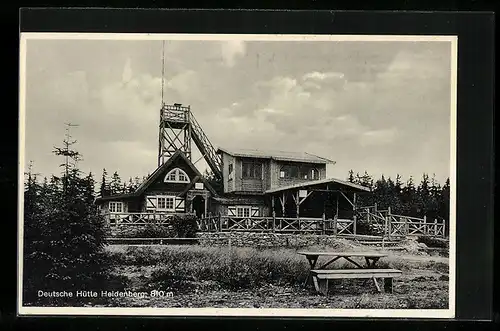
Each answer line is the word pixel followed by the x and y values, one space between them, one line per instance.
pixel 257 312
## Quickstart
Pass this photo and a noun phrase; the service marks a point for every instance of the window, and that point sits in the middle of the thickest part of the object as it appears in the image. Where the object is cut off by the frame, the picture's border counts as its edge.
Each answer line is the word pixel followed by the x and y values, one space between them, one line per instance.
pixel 162 203
pixel 116 207
pixel 298 172
pixel 304 173
pixel 183 177
pixel 165 203
pixel 177 176
pixel 231 168
pixel 251 170
pixel 243 211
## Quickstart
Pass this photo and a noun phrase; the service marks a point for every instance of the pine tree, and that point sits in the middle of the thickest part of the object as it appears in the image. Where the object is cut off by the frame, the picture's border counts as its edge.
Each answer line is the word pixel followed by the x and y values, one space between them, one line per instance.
pixel 408 198
pixel 444 204
pixel 398 185
pixel 65 236
pixel 215 182
pixel 351 178
pixel 130 186
pixel 116 184
pixel 423 196
pixel 434 197
pixel 104 190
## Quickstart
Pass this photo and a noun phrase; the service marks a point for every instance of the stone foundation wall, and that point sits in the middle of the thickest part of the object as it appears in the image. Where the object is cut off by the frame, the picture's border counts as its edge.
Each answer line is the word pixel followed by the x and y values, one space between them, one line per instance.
pixel 252 239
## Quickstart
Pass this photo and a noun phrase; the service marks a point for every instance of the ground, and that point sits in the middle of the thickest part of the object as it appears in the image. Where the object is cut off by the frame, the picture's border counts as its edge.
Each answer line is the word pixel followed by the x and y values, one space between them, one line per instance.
pixel 422 285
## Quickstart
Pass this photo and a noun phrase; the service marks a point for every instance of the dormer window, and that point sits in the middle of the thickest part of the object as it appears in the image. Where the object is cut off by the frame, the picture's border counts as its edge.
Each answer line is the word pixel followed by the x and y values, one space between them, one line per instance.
pixel 177 176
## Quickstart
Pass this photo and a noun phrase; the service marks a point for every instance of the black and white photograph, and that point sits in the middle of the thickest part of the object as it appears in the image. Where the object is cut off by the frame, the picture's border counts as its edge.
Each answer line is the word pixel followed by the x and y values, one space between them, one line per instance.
pixel 237 175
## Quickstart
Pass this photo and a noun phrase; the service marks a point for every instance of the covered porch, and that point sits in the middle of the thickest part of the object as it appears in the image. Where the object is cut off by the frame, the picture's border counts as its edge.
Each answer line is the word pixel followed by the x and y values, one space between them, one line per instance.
pixel 324 199
pixel 323 207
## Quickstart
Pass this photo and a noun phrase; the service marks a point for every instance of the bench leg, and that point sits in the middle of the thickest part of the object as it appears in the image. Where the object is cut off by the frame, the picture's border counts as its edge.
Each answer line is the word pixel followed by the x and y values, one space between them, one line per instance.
pixel 321 285
pixel 388 286
pixel 376 284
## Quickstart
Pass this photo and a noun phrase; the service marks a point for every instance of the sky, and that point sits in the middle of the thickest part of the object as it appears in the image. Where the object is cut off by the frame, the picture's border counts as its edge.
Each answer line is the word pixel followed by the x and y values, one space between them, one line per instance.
pixel 376 106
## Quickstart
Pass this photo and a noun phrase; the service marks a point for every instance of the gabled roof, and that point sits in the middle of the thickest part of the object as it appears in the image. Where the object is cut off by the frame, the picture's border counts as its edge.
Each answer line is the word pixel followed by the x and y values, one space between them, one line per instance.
pixel 277 155
pixel 156 174
pixel 356 187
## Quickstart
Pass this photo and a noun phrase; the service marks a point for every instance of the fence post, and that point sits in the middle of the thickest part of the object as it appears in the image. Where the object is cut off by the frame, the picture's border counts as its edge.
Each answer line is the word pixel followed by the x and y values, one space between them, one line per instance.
pixel 435 226
pixel 323 224
pixel 407 226
pixel 335 226
pixel 220 223
pixel 425 225
pixel 389 226
pixel 375 206
pixel 354 225
pixel 444 228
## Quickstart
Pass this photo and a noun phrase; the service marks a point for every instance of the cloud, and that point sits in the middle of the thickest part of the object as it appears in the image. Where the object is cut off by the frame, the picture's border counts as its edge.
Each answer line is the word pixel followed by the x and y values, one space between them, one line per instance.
pixel 127 72
pixel 321 76
pixel 231 50
pixel 378 137
pixel 354 105
pixel 183 82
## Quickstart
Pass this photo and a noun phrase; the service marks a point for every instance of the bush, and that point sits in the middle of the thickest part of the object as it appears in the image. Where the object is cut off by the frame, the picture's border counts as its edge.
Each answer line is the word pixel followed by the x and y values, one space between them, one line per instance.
pixel 180 226
pixel 146 231
pixel 367 228
pixel 230 268
pixel 185 226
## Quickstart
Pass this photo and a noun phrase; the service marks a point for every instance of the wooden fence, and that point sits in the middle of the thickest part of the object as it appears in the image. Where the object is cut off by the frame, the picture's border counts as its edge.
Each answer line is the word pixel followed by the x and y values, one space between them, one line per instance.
pixel 394 226
pixel 278 224
pixel 382 222
pixel 138 219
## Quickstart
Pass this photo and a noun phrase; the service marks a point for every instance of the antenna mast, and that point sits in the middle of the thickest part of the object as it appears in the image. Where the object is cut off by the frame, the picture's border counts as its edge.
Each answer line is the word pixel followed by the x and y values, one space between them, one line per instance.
pixel 162 70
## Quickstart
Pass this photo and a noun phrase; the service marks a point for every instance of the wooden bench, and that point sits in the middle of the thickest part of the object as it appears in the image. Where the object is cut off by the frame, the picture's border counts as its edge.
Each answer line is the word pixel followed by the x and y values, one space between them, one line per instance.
pixel 321 277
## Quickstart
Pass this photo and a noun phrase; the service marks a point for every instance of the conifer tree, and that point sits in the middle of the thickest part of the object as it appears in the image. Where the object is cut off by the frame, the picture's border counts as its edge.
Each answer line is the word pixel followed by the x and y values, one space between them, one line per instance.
pixel 408 198
pixel 116 184
pixel 104 190
pixel 444 204
pixel 66 230
pixel 137 182
pixel 351 177
pixel 130 186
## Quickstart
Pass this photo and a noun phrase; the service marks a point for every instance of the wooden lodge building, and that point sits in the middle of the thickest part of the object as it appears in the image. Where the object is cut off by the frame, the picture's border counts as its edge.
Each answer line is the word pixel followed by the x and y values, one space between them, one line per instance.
pixel 256 184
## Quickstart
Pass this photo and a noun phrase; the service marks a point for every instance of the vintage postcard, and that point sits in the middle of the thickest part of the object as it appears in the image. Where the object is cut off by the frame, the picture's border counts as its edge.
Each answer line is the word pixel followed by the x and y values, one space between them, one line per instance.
pixel 237 175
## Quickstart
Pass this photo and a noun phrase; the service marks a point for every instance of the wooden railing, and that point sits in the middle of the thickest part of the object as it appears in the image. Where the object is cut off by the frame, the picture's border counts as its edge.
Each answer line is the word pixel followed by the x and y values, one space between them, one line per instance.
pixel 393 225
pixel 139 219
pixel 387 224
pixel 400 225
pixel 277 224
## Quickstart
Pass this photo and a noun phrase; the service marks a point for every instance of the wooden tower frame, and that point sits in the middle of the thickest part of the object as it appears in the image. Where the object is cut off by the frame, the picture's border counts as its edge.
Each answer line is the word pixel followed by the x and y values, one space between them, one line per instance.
pixel 174 131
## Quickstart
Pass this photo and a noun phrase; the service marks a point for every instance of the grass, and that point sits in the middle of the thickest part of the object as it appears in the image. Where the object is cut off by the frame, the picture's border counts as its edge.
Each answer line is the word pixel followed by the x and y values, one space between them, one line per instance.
pixel 180 268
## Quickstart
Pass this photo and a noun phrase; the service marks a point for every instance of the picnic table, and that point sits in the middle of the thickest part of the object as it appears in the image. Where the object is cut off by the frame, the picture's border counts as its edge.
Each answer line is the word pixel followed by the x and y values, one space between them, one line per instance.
pixel 371 258
pixel 368 271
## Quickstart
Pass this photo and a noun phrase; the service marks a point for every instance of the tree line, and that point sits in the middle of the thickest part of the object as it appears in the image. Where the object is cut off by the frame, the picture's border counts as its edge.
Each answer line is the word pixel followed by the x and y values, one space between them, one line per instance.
pixel 427 198
pixel 115 185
